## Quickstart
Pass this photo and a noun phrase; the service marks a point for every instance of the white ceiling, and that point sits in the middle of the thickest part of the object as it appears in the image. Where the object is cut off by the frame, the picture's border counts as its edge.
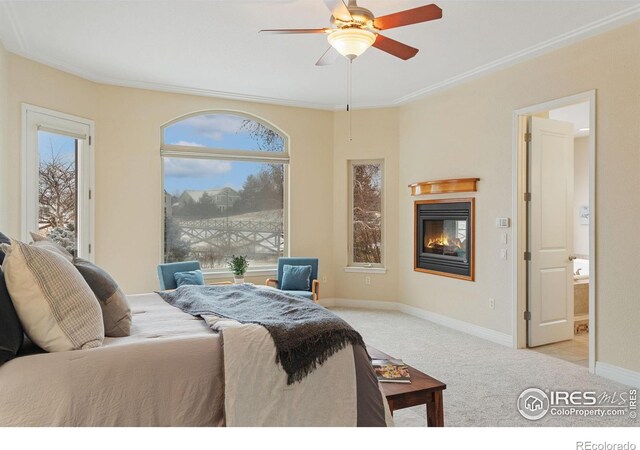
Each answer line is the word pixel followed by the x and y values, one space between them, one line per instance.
pixel 578 115
pixel 213 47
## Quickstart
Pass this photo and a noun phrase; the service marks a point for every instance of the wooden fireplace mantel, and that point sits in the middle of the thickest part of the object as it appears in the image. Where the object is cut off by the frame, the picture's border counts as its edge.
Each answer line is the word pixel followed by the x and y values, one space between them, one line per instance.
pixel 445 186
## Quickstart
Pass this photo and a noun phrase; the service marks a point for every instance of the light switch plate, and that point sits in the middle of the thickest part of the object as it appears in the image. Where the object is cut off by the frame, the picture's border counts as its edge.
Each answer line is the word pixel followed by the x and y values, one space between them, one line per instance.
pixel 503 222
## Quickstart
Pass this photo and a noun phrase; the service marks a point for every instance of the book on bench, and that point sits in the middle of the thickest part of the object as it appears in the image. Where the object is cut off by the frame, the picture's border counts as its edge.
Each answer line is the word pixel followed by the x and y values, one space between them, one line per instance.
pixel 391 370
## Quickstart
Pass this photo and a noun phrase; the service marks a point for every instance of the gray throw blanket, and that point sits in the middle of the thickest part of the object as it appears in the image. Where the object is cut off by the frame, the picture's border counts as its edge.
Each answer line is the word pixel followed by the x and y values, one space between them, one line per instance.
pixel 305 334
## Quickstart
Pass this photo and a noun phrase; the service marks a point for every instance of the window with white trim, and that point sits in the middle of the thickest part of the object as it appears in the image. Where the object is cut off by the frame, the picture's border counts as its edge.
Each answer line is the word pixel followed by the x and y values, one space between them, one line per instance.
pixel 58 179
pixel 225 178
pixel 366 202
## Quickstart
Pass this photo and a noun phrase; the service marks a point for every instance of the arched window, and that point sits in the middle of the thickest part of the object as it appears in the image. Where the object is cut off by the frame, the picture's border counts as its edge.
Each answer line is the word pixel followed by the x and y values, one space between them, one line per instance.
pixel 224 176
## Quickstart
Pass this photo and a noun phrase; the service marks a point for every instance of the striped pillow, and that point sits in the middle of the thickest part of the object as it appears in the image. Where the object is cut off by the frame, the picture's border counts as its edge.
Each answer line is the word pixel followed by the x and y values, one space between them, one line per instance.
pixel 56 307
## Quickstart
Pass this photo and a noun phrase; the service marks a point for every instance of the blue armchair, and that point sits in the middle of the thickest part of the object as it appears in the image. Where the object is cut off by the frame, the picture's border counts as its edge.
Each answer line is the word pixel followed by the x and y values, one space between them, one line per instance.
pixel 166 273
pixel 314 292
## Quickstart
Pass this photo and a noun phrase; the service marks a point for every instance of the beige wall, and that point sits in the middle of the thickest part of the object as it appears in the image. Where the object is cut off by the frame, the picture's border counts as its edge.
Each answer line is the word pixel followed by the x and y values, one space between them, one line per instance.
pixel 374 136
pixel 4 162
pixel 467 132
pixel 43 86
pixel 128 178
pixel 580 194
pixel 464 131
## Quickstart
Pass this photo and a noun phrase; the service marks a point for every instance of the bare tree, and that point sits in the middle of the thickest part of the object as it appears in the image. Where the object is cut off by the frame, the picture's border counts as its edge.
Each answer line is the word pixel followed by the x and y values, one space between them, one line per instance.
pixel 57 192
pixel 367 217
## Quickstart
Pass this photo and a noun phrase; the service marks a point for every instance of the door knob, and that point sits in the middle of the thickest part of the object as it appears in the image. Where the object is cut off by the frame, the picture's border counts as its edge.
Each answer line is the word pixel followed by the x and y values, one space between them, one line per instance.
pixel 571 257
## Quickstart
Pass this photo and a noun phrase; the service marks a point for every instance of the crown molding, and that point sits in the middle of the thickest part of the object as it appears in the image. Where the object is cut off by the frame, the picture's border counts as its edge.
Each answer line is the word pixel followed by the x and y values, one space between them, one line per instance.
pixel 618 19
pixel 20 47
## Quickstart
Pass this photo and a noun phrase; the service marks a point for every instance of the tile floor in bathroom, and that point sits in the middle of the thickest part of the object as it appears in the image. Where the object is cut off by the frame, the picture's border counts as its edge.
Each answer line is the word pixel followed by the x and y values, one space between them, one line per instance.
pixel 575 350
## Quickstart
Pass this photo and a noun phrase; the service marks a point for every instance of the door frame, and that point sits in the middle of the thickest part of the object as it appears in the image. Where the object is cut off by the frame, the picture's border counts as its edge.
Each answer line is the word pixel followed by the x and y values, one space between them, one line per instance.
pixel 29 161
pixel 519 239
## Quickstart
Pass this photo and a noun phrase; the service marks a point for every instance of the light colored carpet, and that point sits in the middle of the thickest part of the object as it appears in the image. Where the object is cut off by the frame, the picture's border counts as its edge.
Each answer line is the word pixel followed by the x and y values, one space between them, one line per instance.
pixel 483 379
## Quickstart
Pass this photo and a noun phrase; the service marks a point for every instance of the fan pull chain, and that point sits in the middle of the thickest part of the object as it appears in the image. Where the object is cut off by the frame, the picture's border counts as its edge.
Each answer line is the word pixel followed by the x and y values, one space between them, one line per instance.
pixel 349 97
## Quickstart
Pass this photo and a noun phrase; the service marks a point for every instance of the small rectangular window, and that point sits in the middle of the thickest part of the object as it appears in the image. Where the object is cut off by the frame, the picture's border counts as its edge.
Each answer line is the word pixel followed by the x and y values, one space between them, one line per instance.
pixel 366 199
pixel 58 162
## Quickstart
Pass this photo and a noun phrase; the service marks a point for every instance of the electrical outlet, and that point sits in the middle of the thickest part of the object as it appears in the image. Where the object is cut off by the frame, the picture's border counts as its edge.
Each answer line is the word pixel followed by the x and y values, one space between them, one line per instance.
pixel 492 303
pixel 367 280
pixel 503 253
pixel 504 238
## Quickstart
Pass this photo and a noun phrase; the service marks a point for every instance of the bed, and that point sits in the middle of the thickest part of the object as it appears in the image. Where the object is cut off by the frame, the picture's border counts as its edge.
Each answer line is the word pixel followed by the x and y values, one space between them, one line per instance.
pixel 169 372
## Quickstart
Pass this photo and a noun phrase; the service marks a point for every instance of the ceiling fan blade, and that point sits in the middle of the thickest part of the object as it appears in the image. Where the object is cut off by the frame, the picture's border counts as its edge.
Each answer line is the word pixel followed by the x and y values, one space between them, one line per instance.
pixel 329 57
pixel 299 31
pixel 339 10
pixel 395 48
pixel 408 17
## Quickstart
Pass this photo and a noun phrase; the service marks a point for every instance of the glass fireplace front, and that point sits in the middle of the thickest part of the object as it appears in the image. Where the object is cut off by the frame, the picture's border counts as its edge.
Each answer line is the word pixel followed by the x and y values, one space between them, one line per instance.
pixel 444 237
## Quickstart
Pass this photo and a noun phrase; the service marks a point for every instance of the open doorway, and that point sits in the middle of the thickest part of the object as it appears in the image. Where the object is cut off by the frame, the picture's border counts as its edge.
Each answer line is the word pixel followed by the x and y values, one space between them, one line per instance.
pixel 555 229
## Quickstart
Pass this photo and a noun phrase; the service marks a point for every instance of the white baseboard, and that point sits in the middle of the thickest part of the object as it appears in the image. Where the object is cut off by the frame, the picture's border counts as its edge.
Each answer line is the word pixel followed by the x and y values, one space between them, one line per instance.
pixel 367 304
pixel 458 325
pixel 619 374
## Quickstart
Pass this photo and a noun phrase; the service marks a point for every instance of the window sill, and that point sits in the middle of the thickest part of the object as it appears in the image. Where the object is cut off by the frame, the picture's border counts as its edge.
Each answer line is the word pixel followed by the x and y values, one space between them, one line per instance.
pixel 375 270
pixel 251 273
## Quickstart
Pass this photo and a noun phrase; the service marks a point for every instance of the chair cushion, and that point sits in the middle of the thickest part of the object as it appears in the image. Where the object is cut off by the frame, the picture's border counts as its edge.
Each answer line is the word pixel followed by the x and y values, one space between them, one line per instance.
pixel 305 294
pixel 191 277
pixel 11 333
pixel 116 313
pixel 296 278
pixel 57 308
pixel 167 271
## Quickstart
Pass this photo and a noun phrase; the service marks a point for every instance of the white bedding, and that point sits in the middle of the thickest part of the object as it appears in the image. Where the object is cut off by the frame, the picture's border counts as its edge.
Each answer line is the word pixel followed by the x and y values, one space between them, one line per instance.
pixel 169 372
pixel 256 390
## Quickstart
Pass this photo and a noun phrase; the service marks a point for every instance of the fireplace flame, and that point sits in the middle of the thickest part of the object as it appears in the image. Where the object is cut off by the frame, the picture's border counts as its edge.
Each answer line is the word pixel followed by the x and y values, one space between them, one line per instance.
pixel 444 241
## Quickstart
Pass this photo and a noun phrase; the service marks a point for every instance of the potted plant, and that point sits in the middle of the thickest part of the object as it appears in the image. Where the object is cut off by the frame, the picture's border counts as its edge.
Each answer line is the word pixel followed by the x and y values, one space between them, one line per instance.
pixel 238 265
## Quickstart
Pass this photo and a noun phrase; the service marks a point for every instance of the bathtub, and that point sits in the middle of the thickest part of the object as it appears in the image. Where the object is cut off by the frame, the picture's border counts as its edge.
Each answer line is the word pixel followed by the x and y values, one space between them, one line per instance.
pixel 580 269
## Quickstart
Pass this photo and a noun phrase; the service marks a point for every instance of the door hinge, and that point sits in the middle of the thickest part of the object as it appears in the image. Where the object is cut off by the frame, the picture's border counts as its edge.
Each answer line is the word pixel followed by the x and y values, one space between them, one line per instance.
pixel 527 137
pixel 527 315
pixel 527 256
pixel 89 248
pixel 527 196
pixel 90 140
pixel 89 194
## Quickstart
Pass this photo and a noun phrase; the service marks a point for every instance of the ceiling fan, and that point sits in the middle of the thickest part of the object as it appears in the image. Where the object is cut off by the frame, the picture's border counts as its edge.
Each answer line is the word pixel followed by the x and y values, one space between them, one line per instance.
pixel 357 29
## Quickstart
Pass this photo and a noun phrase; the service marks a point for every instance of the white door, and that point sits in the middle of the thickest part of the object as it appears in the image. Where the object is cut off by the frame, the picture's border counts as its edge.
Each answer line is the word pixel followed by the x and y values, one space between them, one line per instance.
pixel 58 179
pixel 550 231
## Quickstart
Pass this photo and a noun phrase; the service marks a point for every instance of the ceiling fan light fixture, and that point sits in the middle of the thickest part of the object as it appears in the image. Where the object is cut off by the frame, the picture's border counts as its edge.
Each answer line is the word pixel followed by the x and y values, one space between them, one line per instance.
pixel 351 42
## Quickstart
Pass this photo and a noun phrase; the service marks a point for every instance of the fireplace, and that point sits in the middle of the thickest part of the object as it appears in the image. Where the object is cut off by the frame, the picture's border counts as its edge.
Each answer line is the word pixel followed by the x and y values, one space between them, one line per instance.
pixel 444 237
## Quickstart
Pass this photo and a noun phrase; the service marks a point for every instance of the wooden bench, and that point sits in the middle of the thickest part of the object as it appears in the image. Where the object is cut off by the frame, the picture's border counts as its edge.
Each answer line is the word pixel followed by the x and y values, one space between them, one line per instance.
pixel 423 390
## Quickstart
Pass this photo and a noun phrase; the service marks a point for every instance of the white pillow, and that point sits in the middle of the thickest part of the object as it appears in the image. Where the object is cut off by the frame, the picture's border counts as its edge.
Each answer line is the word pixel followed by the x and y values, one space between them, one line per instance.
pixel 56 306
pixel 43 242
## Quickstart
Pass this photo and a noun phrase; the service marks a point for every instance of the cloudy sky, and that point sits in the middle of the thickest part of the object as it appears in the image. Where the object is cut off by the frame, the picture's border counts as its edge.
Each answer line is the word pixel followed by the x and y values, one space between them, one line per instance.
pixel 218 131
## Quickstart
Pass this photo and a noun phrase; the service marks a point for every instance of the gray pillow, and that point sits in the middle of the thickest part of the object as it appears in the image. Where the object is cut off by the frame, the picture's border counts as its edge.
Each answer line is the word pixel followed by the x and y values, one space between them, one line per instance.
pixel 116 313
pixel 3 240
pixel 11 333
